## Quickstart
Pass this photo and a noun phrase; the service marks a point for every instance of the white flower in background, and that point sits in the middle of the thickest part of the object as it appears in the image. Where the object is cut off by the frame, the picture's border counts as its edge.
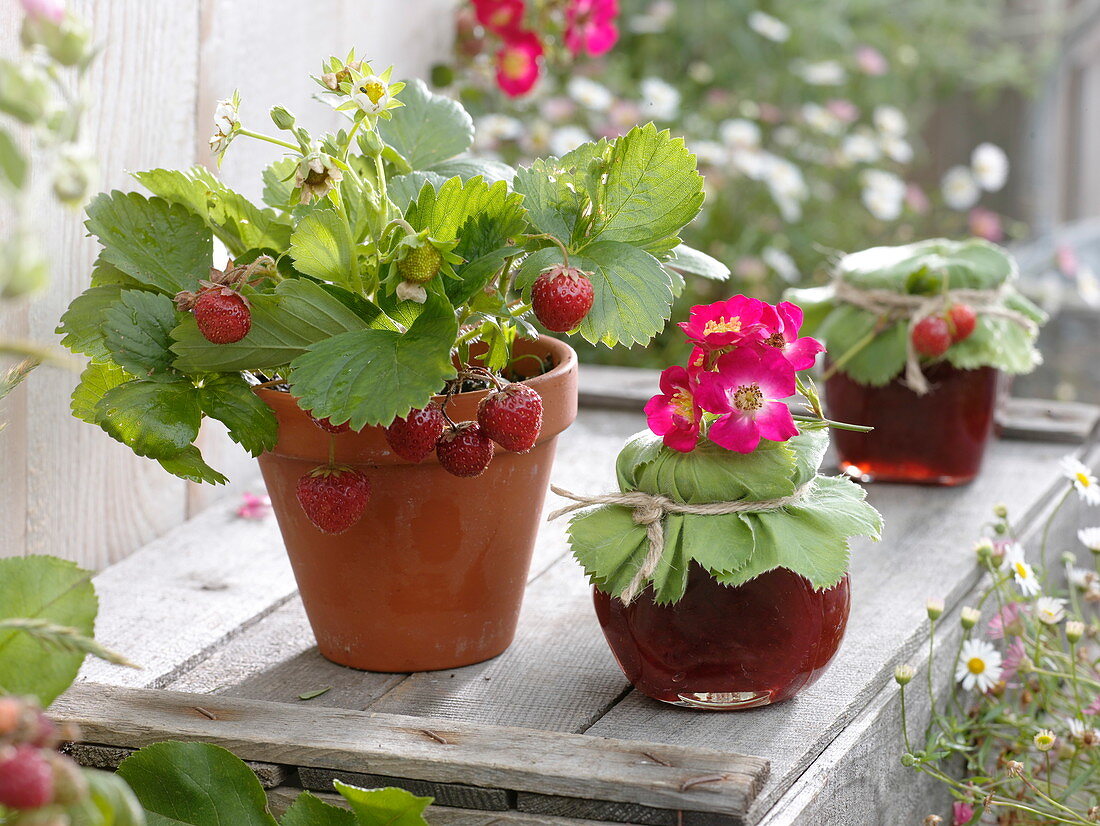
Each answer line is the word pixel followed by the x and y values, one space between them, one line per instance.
pixel 883 194
pixel 1050 610
pixel 660 100
pixel 786 185
pixel 770 27
pixel 979 666
pixel 1088 285
pixel 372 94
pixel 1080 578
pixel 536 139
pixel 750 162
pixel 491 129
pixel 590 94
pixel 818 117
pixel 1083 480
pixel 823 73
pixel 889 120
pixel 990 165
pixel 655 19
pixel 567 139
pixel 896 149
pixel 860 147
pixel 710 153
pixel 781 263
pixel 1090 538
pixel 1044 739
pixel 1021 571
pixel 739 133
pixel 227 123
pixel 960 190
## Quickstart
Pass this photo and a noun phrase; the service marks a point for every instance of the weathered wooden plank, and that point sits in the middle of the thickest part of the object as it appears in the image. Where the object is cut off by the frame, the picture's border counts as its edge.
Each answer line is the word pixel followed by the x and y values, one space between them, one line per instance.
pixel 421 748
pixel 270 775
pixel 604 811
pixel 184 594
pixel 456 795
pixel 925 553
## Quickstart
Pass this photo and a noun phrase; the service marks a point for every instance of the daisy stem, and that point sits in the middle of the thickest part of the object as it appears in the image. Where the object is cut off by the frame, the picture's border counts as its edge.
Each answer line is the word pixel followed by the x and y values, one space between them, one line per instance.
pixel 248 133
pixel 904 724
pixel 1046 532
pixel 931 689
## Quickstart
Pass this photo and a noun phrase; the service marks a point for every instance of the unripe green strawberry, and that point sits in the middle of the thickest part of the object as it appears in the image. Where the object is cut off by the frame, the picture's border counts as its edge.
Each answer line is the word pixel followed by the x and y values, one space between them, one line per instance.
pixel 420 264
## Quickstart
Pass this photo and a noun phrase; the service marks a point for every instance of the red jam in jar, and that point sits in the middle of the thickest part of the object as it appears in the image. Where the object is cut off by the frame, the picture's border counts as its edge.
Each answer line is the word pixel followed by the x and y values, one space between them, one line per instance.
pixel 727 648
pixel 935 439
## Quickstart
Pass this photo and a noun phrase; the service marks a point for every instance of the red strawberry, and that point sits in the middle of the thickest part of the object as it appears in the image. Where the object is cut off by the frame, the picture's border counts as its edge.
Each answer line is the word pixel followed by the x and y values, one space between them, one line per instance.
pixel 512 417
pixel 223 315
pixel 26 778
pixel 464 450
pixel 561 297
pixel 414 437
pixel 931 336
pixel 333 497
pixel 962 319
pixel 329 427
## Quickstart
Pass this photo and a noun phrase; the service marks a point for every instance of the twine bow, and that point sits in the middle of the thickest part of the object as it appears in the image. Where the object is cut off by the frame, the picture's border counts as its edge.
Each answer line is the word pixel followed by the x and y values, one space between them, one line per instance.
pixel 649 510
pixel 895 306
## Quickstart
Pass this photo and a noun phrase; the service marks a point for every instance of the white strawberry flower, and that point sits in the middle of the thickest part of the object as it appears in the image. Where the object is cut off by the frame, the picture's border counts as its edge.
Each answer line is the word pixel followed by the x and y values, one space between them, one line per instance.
pixel 1083 480
pixel 979 666
pixel 227 123
pixel 990 166
pixel 1021 571
pixel 371 94
pixel 1090 538
pixel 960 189
pixel 317 174
pixel 1050 610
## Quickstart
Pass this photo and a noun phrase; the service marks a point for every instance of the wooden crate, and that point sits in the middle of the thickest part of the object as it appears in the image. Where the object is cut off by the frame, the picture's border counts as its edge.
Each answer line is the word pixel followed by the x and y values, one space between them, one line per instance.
pixel 549 732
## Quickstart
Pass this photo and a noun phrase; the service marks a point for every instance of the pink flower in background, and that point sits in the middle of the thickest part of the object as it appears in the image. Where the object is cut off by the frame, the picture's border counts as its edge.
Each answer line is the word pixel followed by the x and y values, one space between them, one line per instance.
pixel 916 199
pixel 1066 259
pixel 747 391
pixel 986 224
pixel 843 110
pixel 770 113
pixel 52 10
pixel 800 352
pixel 1014 655
pixel 871 61
pixel 724 323
pixel 518 63
pixel 1093 708
pixel 253 507
pixel 557 109
pixel 500 16
pixel 961 813
pixel 590 26
pixel 1003 619
pixel 674 413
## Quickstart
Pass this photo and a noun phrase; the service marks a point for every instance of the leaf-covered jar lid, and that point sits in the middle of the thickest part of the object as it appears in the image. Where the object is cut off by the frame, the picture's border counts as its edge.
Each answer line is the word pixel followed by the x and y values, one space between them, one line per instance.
pixel 868 335
pixel 808 535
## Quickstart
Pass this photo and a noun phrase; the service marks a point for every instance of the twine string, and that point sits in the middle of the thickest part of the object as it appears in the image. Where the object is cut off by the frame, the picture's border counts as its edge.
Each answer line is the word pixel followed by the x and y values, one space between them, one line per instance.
pixel 649 510
pixel 895 306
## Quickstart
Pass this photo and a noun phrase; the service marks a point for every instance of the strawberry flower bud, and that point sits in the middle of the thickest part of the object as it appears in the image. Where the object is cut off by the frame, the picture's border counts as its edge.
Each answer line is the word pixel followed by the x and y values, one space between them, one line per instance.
pixel 227 123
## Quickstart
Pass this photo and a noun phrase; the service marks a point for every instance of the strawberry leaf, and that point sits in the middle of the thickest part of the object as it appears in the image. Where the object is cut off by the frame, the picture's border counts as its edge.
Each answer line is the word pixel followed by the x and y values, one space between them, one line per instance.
pixel 384 807
pixel 82 324
pixel 97 378
pixel 429 128
pixel 155 419
pixel 229 399
pixel 685 259
pixel 444 211
pixel 309 810
pixel 161 245
pixel 188 464
pixel 138 333
pixel 551 197
pixel 372 376
pixel 322 247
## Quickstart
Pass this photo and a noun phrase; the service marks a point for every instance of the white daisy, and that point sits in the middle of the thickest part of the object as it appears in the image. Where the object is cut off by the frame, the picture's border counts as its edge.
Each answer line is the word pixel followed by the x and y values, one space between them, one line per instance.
pixel 1045 739
pixel 786 185
pixel 1022 572
pixel 1090 538
pixel 1083 480
pixel 566 139
pixel 1050 610
pixel 860 147
pixel 1080 578
pixel 897 149
pixel 990 165
pixel 770 27
pixel 710 153
pixel 590 94
pixel 960 189
pixel 493 128
pixel 823 73
pixel 979 666
pixel 660 100
pixel 883 194
pixel 818 117
pixel 739 133
pixel 889 120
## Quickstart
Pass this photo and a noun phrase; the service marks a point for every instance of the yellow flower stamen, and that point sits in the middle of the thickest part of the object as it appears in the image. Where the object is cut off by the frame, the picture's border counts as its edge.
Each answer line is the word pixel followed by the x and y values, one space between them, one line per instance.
pixel 1083 480
pixel 1021 570
pixel 976 665
pixel 722 325
pixel 373 89
pixel 748 397
pixel 683 405
pixel 514 64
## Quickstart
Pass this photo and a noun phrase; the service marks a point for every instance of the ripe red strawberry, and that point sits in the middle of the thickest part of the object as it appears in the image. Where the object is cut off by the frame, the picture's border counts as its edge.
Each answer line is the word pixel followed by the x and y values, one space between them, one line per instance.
pixel 26 778
pixel 931 336
pixel 512 417
pixel 962 320
pixel 464 450
pixel 561 297
pixel 414 437
pixel 223 315
pixel 333 497
pixel 329 427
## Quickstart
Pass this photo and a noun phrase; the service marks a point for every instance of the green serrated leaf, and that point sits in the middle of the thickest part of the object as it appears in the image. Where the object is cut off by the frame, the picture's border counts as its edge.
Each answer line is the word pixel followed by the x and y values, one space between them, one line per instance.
pixel 403 189
pixel 196 783
pixel 138 333
pixel 106 275
pixel 285 323
pixel 322 247
pixel 231 400
pixel 632 294
pixel 445 211
pixel 429 128
pixel 691 261
pixel 188 464
pixel 97 378
pixel 42 587
pixel 82 324
pixel 278 178
pixel 308 810
pixel 161 245
pixel 551 197
pixel 371 376
pixel 153 418
pixel 384 807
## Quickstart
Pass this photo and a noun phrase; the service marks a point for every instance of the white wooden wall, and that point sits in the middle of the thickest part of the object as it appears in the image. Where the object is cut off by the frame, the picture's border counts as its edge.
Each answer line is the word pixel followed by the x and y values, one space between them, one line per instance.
pixel 65 487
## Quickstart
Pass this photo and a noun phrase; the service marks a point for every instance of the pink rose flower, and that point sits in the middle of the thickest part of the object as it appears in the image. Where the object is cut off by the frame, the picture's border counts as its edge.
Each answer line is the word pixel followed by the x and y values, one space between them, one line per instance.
pixel 253 507
pixel 746 391
pixel 590 26
pixel 726 323
pixel 500 16
pixel 52 10
pixel 800 352
pixel 674 414
pixel 961 813
pixel 519 62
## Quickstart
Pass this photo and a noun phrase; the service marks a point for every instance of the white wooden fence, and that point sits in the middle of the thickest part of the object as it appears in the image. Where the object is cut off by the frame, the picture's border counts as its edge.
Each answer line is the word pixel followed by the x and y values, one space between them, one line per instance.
pixel 65 487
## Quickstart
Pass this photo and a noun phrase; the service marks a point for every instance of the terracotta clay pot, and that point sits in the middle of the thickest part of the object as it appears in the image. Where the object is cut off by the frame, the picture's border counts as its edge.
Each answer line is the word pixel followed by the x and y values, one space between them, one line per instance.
pixel 433 575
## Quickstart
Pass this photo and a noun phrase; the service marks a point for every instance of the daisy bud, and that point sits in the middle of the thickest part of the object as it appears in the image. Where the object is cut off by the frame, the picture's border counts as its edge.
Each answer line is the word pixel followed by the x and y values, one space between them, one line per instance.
pixel 1074 630
pixel 1045 739
pixel 1069 558
pixel 1000 528
pixel 1026 665
pixel 983 549
pixel 903 674
pixel 1000 511
pixel 934 608
pixel 969 617
pixel 1015 767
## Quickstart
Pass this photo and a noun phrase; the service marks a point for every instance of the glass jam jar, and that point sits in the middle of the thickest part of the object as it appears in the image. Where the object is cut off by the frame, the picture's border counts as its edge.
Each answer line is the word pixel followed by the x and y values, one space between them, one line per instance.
pixel 727 648
pixel 935 439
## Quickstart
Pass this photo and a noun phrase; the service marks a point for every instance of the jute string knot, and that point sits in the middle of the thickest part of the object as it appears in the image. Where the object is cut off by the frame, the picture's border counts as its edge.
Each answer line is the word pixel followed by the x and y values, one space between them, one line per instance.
pixel 895 306
pixel 650 510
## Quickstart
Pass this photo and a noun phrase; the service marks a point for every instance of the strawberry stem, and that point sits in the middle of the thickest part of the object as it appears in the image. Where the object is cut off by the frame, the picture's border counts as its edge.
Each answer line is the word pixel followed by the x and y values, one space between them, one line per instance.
pixel 556 240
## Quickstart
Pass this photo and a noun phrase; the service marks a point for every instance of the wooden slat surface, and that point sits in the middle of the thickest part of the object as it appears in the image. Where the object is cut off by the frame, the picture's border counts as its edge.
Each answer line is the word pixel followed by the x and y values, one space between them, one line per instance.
pixel 660 776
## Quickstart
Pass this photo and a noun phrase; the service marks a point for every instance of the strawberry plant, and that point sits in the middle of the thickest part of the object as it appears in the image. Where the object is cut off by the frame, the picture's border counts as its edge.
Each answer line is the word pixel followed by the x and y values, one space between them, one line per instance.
pixel 385 266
